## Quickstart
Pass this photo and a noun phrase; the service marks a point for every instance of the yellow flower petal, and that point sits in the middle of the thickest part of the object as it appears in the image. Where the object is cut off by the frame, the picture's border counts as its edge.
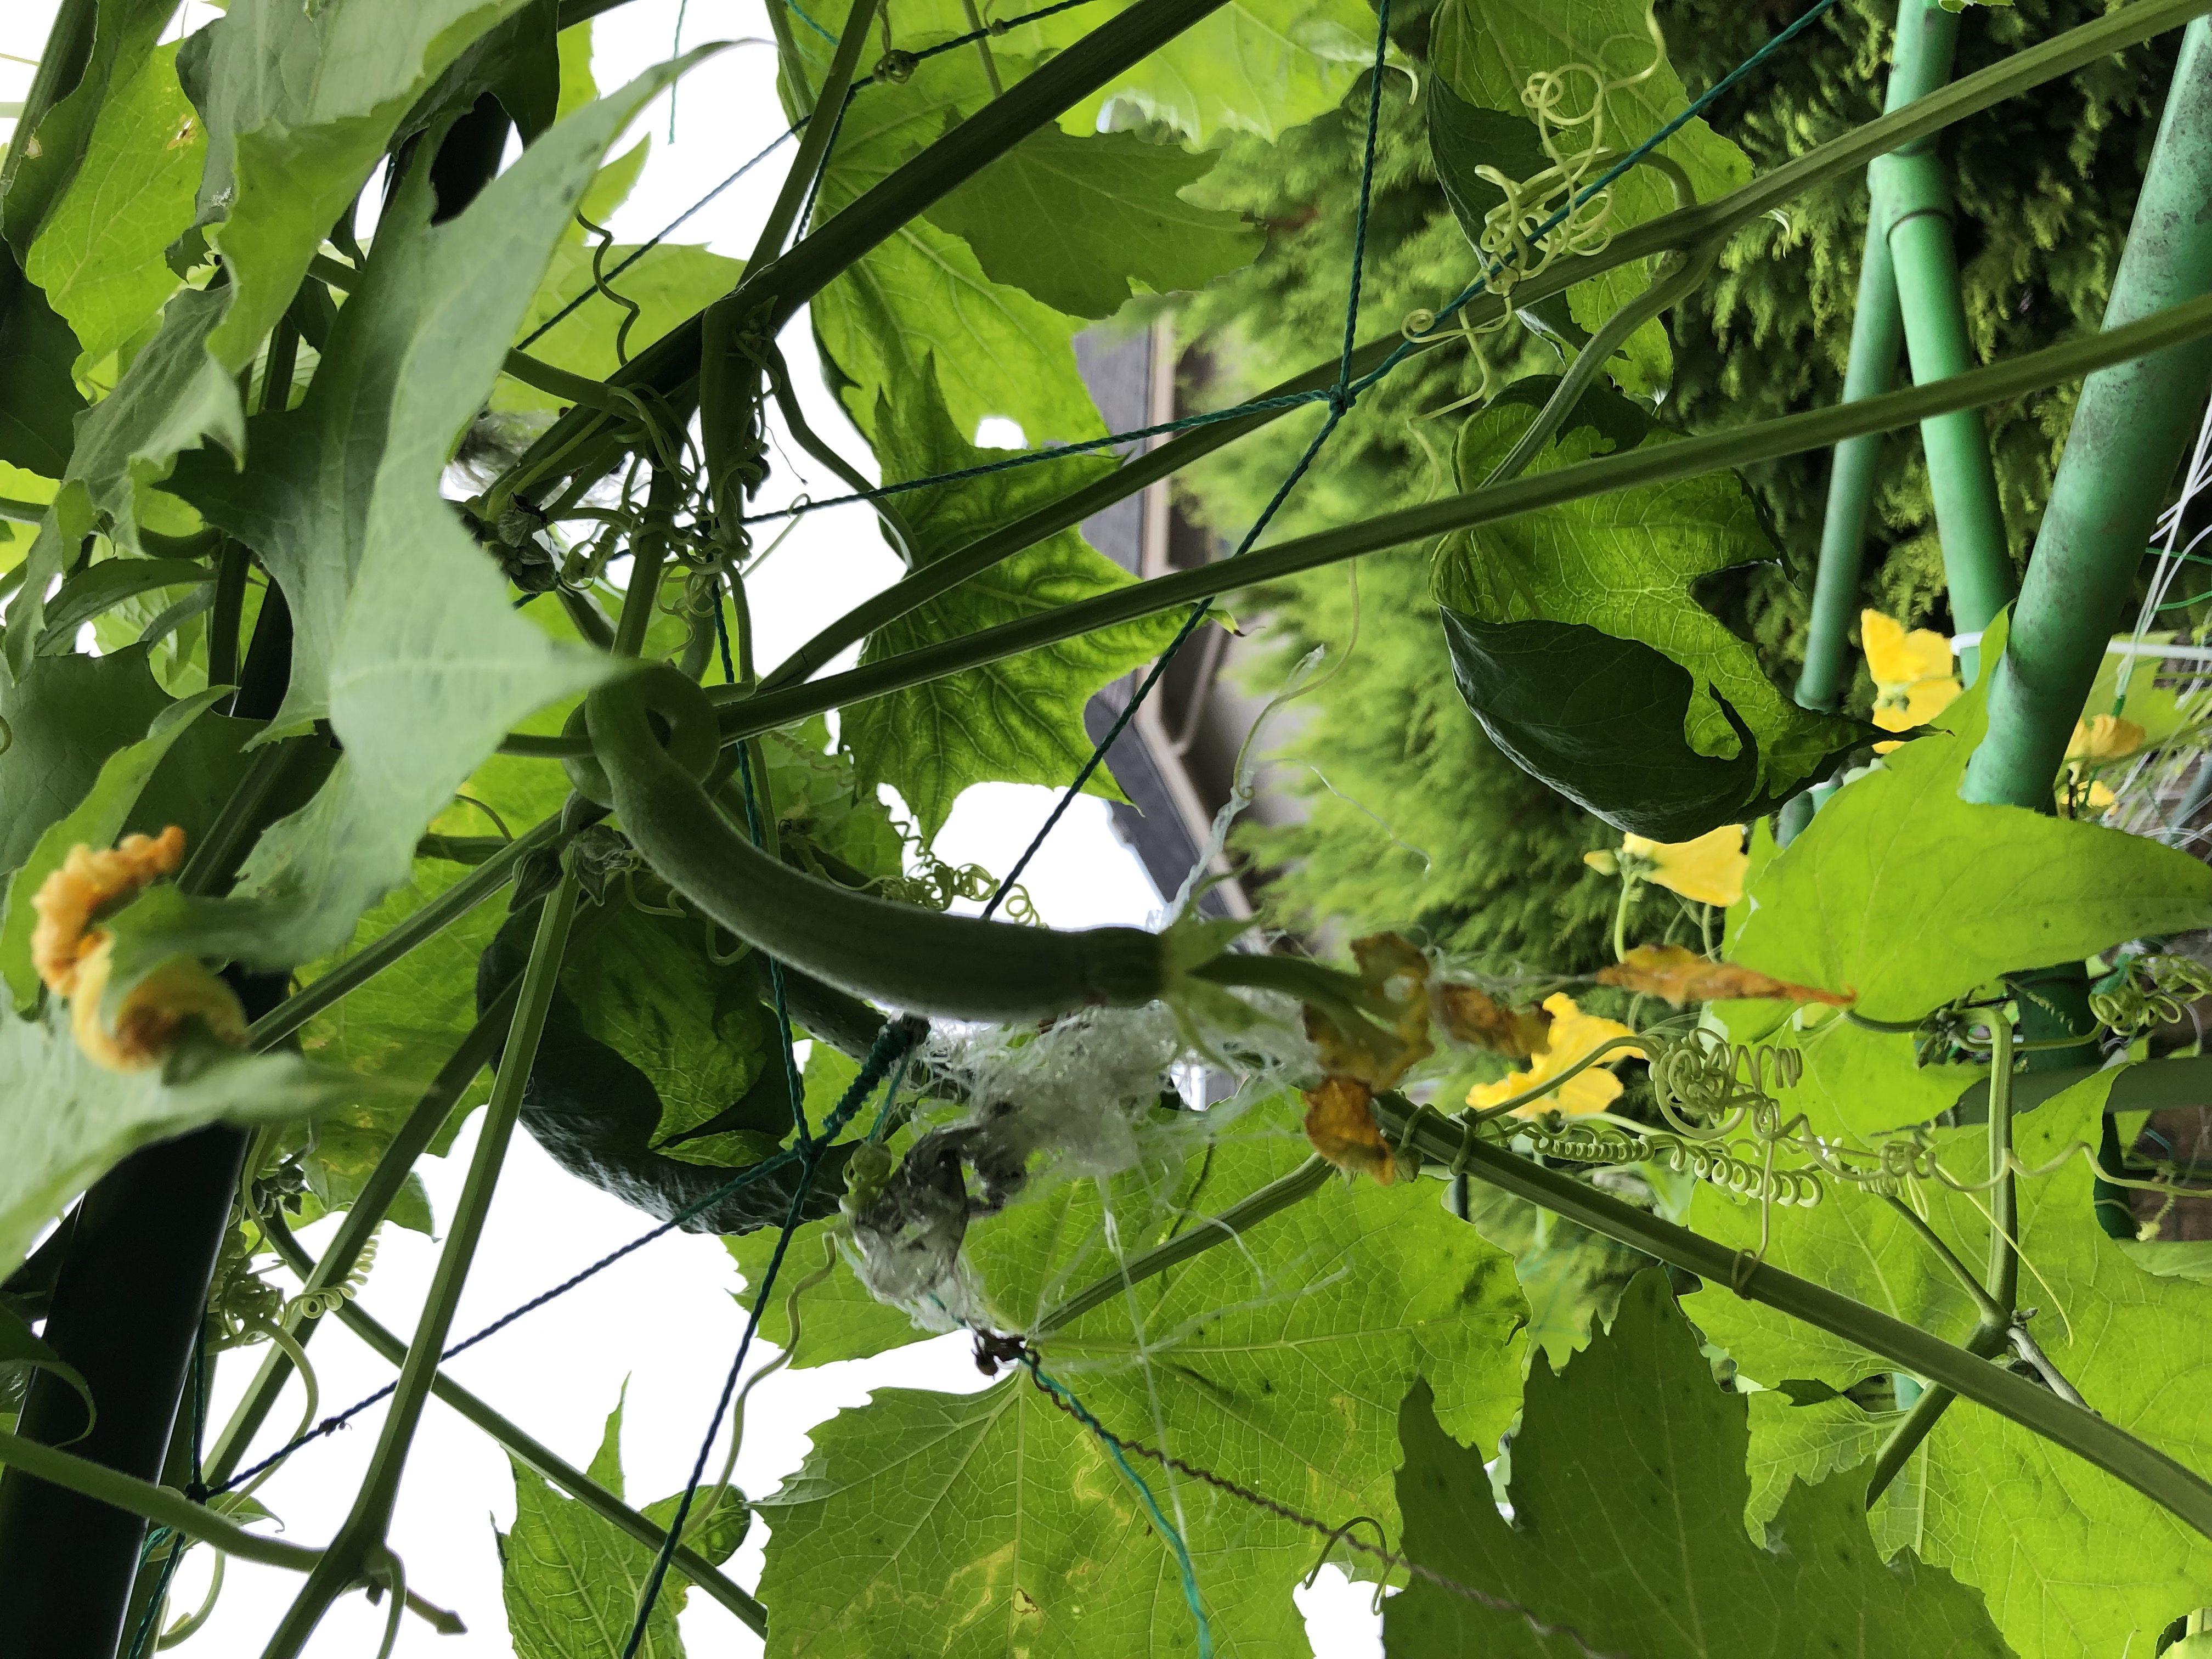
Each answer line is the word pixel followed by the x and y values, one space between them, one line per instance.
pixel 2103 738
pixel 146 1025
pixel 1574 1035
pixel 1897 659
pixel 1709 869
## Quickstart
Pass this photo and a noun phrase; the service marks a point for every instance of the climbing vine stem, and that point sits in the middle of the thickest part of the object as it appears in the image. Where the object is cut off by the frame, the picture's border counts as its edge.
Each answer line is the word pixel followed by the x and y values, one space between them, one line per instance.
pixel 1652 463
pixel 360 1541
pixel 2030 1405
pixel 1996 1300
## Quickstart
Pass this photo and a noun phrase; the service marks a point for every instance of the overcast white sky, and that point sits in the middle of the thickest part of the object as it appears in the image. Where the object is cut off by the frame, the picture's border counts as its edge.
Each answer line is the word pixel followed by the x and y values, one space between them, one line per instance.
pixel 664 1321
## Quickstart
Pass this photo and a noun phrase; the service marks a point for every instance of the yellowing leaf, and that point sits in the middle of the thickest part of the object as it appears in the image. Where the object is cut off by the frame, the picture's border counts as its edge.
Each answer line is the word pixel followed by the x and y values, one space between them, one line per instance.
pixel 1682 975
pixel 1574 1034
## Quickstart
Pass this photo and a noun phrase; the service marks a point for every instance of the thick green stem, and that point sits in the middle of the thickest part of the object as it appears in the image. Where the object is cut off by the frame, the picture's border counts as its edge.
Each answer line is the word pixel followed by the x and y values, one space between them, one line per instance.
pixel 1877 337
pixel 671 362
pixel 1652 463
pixel 160 1503
pixel 530 1450
pixel 1309 1178
pixel 2130 431
pixel 2000 1289
pixel 2032 1406
pixel 363 1215
pixel 773 292
pixel 822 123
pixel 434 918
pixel 362 1536
pixel 648 555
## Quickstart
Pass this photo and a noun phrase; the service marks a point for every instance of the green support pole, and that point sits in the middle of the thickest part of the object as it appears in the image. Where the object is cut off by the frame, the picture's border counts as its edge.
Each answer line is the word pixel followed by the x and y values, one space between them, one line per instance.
pixel 1909 297
pixel 1913 209
pixel 1877 338
pixel 2129 432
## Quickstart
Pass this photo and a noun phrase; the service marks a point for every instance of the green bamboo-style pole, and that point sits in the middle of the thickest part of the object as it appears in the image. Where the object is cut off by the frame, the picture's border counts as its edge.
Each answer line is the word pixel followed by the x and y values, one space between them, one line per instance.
pixel 2129 432
pixel 1877 337
pixel 1909 297
pixel 1912 210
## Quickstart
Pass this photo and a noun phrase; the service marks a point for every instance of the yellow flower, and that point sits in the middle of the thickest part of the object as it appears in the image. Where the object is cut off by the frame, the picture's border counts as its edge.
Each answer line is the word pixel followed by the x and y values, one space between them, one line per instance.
pixel 2104 738
pixel 1709 869
pixel 1912 677
pixel 73 957
pixel 1574 1034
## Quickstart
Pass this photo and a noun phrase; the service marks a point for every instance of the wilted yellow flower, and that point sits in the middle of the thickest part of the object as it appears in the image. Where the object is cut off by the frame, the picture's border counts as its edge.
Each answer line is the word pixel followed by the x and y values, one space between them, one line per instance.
pixel 1709 869
pixel 2104 738
pixel 1912 677
pixel 1574 1034
pixel 146 1024
pixel 73 957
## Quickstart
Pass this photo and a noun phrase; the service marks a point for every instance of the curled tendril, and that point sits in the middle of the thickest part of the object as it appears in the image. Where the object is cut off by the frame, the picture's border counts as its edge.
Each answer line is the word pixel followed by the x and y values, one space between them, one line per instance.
pixel 1568 106
pixel 1329 1544
pixel 1726 1166
pixel 1705 1078
pixel 2155 989
pixel 316 1303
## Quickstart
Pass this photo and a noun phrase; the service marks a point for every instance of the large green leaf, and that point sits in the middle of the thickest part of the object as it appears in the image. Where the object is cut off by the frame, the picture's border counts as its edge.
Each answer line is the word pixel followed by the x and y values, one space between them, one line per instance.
pixel 2028 1524
pixel 99 253
pixel 64 718
pixel 670 285
pixel 65 1120
pixel 993 1524
pixel 39 399
pixel 1911 896
pixel 645 988
pixel 1490 49
pixel 1827 1433
pixel 1581 648
pixel 403 634
pixel 124 34
pixel 1072 221
pixel 1257 66
pixel 299 103
pixel 572 1580
pixel 601 1116
pixel 1018 719
pixel 922 294
pixel 95 821
pixel 1627 1488
pixel 1463 137
pixel 167 400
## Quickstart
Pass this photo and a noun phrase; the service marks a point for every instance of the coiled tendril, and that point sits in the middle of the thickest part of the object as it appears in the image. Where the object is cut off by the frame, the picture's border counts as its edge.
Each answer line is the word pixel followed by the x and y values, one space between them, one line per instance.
pixel 2155 989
